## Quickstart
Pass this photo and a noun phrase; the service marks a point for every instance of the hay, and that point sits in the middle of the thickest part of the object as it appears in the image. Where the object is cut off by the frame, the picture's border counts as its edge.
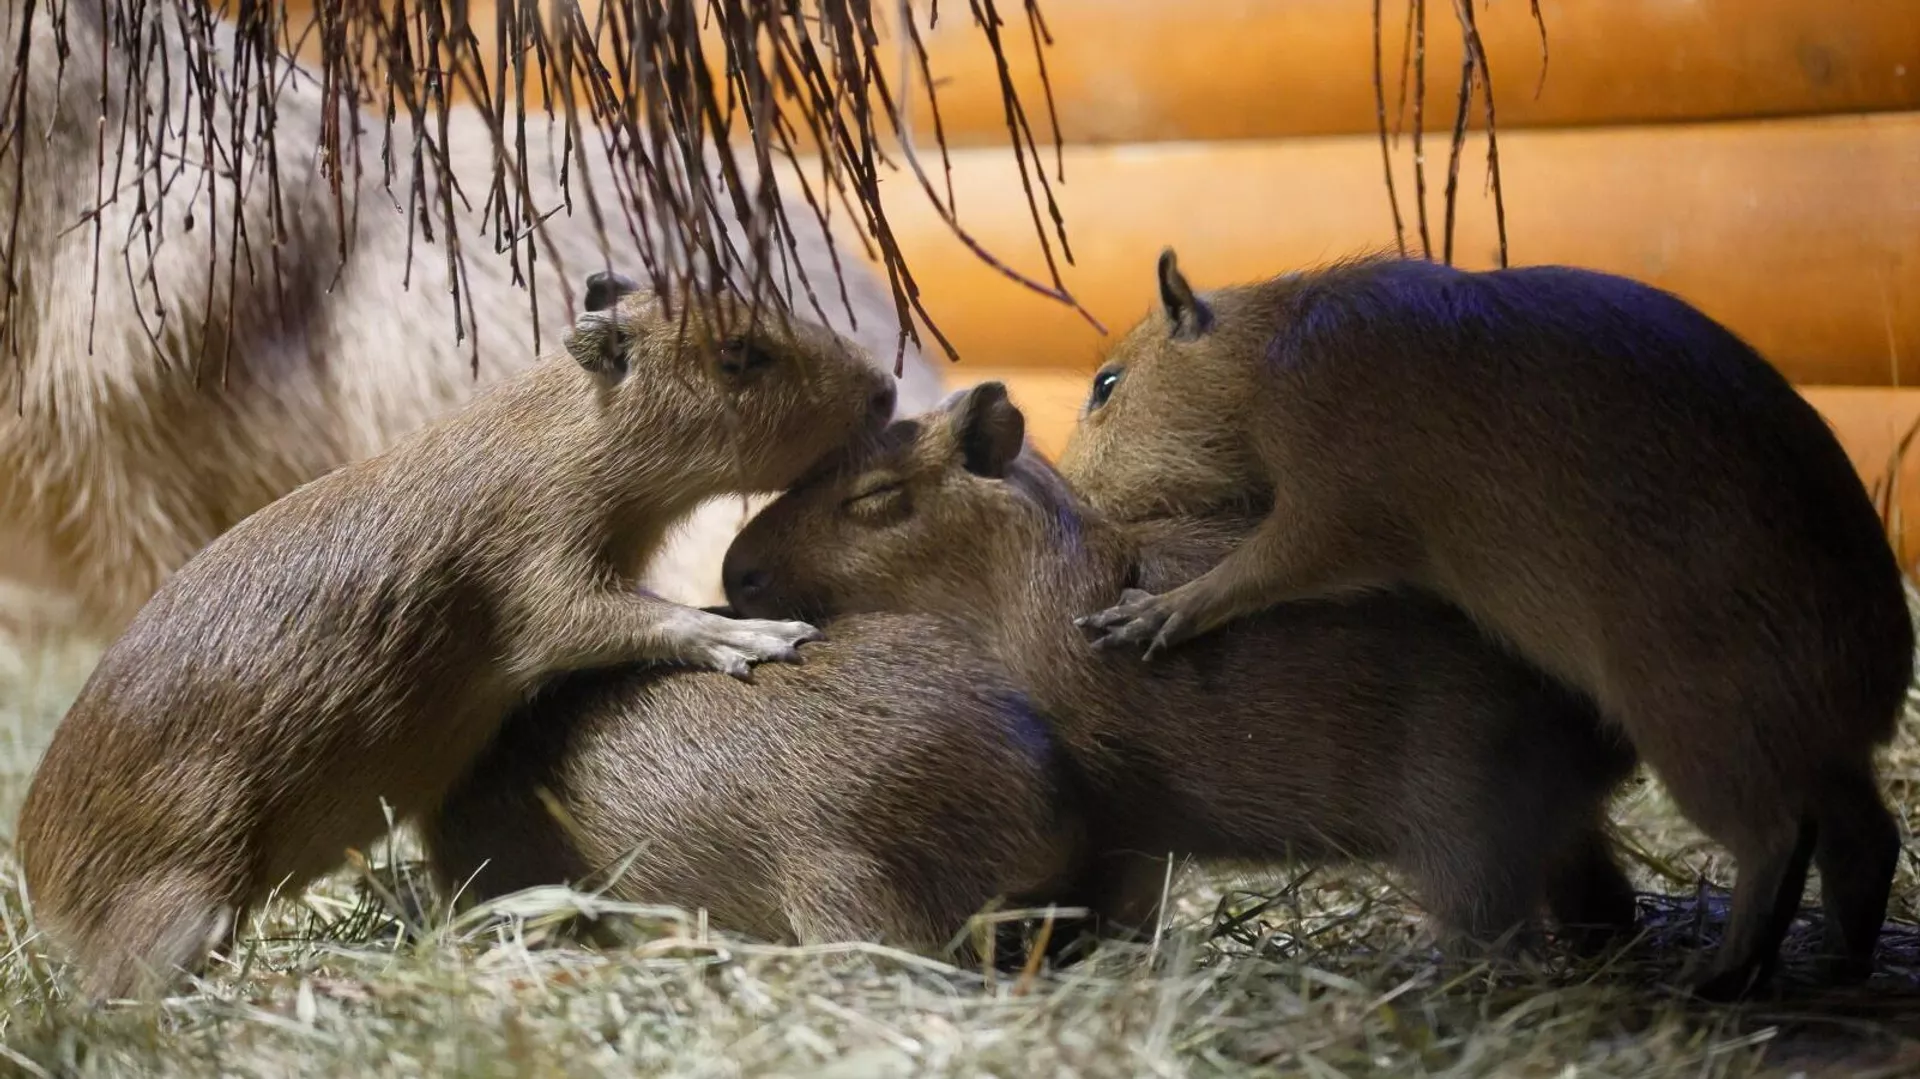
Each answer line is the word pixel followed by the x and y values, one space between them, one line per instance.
pixel 1315 972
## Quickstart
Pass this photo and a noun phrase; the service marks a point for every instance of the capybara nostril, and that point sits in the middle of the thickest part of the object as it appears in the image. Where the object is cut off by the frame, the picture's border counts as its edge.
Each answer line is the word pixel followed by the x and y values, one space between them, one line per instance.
pixel 748 584
pixel 880 405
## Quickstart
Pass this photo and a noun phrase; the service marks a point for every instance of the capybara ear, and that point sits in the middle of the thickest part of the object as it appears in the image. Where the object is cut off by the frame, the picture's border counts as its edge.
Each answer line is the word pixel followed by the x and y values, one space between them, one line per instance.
pixel 988 429
pixel 1187 314
pixel 600 343
pixel 604 289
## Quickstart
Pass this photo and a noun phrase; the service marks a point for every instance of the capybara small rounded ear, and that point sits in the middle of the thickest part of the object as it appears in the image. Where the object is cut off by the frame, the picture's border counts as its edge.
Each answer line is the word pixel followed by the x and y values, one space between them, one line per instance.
pixel 1188 316
pixel 599 343
pixel 988 429
pixel 604 289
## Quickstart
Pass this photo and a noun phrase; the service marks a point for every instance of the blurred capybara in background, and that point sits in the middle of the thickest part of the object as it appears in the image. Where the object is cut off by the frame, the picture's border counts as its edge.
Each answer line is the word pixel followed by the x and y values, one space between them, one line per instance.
pixel 357 643
pixel 117 462
pixel 1596 472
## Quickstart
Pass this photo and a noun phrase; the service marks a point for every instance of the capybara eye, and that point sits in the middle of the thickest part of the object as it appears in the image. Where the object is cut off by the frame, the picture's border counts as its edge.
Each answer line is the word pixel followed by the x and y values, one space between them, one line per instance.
pixel 876 499
pixel 1103 384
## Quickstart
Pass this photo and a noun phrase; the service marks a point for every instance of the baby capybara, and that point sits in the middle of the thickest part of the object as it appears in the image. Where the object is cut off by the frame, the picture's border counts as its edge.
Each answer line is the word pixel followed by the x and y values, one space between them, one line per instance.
pixel 362 638
pixel 887 790
pixel 1388 728
pixel 1597 473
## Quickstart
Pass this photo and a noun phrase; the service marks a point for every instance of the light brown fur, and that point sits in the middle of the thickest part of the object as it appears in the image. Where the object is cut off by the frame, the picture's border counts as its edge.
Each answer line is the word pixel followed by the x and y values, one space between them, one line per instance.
pixel 363 637
pixel 884 791
pixel 1597 473
pixel 1387 728
pixel 115 466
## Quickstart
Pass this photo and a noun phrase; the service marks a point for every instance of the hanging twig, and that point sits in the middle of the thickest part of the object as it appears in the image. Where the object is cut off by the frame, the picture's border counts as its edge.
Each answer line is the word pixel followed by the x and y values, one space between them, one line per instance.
pixel 1386 156
pixel 1478 52
pixel 665 111
pixel 1474 71
pixel 1419 121
pixel 1458 144
pixel 1541 22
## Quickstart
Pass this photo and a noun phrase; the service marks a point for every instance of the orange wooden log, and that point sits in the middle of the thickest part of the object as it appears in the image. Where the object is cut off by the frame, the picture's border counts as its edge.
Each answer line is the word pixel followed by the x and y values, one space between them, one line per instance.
pixel 1148 70
pixel 1873 424
pixel 1140 70
pixel 1802 235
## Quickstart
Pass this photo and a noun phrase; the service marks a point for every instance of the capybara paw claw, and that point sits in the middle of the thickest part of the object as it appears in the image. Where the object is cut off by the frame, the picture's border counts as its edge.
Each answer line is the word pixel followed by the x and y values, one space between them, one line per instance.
pixel 730 661
pixel 766 642
pixel 1140 618
pixel 734 645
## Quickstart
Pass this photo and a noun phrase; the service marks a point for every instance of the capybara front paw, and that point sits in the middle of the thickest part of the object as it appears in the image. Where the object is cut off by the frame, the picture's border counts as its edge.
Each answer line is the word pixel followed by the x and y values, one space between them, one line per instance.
pixel 1159 622
pixel 733 645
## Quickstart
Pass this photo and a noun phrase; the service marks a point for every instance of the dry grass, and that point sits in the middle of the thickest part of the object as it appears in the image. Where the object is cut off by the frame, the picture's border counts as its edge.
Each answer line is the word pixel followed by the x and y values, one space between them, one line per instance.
pixel 1319 973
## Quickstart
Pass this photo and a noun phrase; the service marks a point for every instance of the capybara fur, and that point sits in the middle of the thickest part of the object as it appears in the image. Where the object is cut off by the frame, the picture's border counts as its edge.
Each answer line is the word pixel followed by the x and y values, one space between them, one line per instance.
pixel 885 791
pixel 1597 473
pixel 121 455
pixel 362 638
pixel 1388 728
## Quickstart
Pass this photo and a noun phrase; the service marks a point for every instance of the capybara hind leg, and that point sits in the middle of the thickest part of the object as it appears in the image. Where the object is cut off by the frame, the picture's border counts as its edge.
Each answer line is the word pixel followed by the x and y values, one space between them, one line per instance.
pixel 1488 923
pixel 152 941
pixel 1857 851
pixel 1588 893
pixel 1127 890
pixel 1772 872
pixel 838 900
pixel 491 839
pixel 1480 898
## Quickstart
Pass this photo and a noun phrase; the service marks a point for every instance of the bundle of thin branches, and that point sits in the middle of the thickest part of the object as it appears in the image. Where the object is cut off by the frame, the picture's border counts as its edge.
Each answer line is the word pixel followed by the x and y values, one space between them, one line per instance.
pixel 1475 74
pixel 697 145
pixel 697 142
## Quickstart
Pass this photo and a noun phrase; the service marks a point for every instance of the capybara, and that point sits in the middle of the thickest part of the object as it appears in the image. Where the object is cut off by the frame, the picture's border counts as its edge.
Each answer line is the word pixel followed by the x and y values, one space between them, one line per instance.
pixel 1597 473
pixel 362 638
pixel 121 453
pixel 887 790
pixel 1384 728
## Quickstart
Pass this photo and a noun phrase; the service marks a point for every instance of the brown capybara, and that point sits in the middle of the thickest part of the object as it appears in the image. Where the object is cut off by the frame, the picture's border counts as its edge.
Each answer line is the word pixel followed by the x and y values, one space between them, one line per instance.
pixel 362 638
pixel 886 791
pixel 134 427
pixel 1386 728
pixel 1594 471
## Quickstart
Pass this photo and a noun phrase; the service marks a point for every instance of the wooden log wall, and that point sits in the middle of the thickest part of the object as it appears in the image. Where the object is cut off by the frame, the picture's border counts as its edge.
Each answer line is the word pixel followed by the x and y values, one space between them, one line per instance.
pixel 1759 157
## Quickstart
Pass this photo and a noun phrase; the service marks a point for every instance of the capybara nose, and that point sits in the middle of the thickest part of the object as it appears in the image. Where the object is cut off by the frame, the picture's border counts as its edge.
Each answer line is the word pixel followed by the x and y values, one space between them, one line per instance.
pixel 880 405
pixel 747 585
